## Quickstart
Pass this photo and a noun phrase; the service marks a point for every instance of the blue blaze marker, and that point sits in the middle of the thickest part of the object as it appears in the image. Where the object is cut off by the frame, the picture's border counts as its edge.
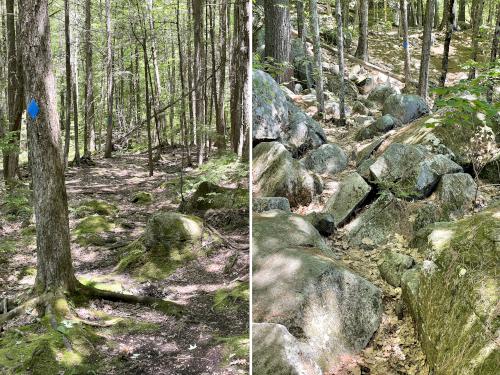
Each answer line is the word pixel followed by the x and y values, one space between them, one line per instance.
pixel 406 44
pixel 33 109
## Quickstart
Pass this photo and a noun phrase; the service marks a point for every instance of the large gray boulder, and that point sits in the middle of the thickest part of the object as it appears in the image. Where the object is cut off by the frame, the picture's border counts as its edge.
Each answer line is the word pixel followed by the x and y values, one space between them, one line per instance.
pixel 277 352
pixel 270 108
pixel 456 194
pixel 276 174
pixel 301 133
pixel 349 194
pixel 276 229
pixel 333 310
pixel 167 231
pixel 332 83
pixel 380 93
pixel 405 108
pixel 270 203
pixel 327 159
pixel 411 171
pixel 455 303
pixel 386 123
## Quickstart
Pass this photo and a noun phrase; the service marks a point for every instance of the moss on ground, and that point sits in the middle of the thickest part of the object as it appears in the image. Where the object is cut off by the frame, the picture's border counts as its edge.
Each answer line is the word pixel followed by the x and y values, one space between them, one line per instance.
pixel 39 349
pixel 88 230
pixel 95 207
pixel 232 298
pixel 102 283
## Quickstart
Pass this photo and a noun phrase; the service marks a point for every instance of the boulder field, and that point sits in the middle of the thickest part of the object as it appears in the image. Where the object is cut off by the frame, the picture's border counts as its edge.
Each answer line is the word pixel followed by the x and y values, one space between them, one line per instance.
pixel 411 180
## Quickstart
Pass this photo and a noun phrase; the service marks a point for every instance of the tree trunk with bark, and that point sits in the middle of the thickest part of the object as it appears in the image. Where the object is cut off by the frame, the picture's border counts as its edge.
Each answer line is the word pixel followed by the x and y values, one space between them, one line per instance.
pixel 313 9
pixel 340 44
pixel 477 15
pixel 461 10
pixel 88 131
pixel 69 89
pixel 109 87
pixel 447 42
pixel 148 104
pixel 15 96
pixel 54 268
pixel 494 52
pixel 74 86
pixel 362 49
pixel 198 76
pixel 406 44
pixel 423 82
pixel 277 37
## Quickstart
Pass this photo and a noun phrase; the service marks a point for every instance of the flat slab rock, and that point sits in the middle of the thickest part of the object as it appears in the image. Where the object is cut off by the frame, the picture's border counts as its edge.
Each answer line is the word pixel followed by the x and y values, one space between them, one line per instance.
pixel 351 191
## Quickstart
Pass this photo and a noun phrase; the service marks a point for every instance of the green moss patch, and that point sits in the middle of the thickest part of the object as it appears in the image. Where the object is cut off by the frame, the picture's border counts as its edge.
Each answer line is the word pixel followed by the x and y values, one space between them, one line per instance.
pixel 102 283
pixel 151 265
pixel 142 197
pixel 95 207
pixel 39 349
pixel 17 203
pixel 232 298
pixel 94 224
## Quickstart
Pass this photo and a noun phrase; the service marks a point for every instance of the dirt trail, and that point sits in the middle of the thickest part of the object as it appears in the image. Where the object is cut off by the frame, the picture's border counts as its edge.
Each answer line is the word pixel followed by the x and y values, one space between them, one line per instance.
pixel 154 343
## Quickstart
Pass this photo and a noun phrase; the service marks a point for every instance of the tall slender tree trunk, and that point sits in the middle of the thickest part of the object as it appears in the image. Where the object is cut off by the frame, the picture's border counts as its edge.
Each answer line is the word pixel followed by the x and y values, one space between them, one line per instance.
pixel 362 49
pixel 74 70
pixel 277 29
pixel 109 87
pixel 406 44
pixel 54 268
pixel 447 42
pixel 302 33
pixel 313 9
pixel 219 105
pixel 173 91
pixel 183 86
pixel 477 16
pixel 88 131
pixel 15 96
pixel 423 82
pixel 148 104
pixel 494 52
pixel 69 88
pixel 461 10
pixel 199 75
pixel 340 45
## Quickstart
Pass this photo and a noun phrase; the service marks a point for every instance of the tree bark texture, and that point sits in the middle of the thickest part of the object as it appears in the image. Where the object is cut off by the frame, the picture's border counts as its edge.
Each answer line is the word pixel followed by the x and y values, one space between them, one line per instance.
pixel 362 49
pixel 423 82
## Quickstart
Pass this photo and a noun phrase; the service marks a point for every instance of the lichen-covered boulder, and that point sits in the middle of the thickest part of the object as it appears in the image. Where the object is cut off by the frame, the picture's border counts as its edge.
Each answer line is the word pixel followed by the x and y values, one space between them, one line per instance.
pixel 270 203
pixel 405 108
pixel 380 93
pixel 209 196
pixel 360 108
pixel 270 108
pixel 301 133
pixel 276 174
pixel 455 304
pixel 166 231
pixel 348 195
pixel 327 159
pixel 438 135
pixel 365 85
pixel 456 194
pixel 411 171
pixel 393 266
pixel 276 351
pixel 334 310
pixel 332 83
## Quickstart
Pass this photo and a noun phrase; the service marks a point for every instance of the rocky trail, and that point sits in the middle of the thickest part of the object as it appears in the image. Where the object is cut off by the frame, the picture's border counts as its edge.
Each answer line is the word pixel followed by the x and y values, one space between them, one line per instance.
pixel 380 226
pixel 110 205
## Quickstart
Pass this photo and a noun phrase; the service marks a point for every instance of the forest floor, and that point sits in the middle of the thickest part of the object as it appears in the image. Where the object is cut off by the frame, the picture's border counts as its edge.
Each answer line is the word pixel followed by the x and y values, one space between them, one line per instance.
pixel 211 340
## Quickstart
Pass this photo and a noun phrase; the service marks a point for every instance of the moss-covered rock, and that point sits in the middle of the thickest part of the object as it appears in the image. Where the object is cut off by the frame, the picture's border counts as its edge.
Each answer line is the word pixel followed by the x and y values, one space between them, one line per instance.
pixel 167 231
pixel 327 159
pixel 456 307
pixel 142 197
pixel 209 196
pixel 233 298
pixel 93 224
pixel 393 266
